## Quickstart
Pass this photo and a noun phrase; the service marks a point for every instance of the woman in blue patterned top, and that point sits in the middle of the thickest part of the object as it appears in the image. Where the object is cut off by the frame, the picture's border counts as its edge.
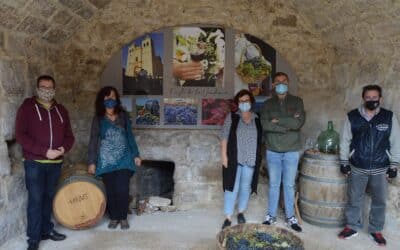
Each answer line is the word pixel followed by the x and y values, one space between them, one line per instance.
pixel 113 153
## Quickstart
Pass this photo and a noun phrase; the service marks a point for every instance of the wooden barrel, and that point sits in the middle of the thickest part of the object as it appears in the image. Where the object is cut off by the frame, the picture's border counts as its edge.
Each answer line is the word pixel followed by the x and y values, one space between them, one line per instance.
pixel 323 190
pixel 80 200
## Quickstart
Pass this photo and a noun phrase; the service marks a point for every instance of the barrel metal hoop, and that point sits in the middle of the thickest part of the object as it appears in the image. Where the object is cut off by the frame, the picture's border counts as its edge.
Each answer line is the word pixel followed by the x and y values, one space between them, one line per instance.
pixel 98 183
pixel 329 222
pixel 326 180
pixel 324 203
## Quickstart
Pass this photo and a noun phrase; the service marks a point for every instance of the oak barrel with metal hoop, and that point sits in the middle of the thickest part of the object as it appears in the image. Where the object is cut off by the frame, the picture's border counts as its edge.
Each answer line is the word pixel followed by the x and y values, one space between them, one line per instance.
pixel 323 189
pixel 80 200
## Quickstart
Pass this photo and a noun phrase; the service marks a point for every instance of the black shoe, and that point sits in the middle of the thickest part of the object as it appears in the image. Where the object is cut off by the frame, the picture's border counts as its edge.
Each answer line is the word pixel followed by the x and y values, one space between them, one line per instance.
pixel 33 246
pixel 347 233
pixel 378 238
pixel 240 218
pixel 269 220
pixel 293 224
pixel 54 235
pixel 227 223
pixel 113 224
pixel 124 224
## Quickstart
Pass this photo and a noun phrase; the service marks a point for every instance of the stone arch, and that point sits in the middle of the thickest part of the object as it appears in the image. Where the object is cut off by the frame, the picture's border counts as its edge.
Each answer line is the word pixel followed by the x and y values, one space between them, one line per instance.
pixel 89 50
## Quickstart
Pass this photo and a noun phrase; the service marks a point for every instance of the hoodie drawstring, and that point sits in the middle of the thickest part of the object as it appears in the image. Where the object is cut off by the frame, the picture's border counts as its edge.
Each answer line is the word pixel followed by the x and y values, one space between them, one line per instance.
pixel 38 112
pixel 59 115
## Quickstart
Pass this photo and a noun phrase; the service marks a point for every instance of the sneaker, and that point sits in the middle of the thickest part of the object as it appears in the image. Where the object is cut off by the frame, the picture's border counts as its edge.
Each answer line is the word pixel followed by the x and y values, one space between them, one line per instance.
pixel 227 223
pixel 33 246
pixel 240 218
pixel 124 224
pixel 113 224
pixel 269 220
pixel 294 224
pixel 378 238
pixel 347 233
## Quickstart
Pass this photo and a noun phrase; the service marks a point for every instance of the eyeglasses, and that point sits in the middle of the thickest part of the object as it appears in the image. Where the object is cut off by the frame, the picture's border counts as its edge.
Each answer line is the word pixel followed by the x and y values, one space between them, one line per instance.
pixel 44 87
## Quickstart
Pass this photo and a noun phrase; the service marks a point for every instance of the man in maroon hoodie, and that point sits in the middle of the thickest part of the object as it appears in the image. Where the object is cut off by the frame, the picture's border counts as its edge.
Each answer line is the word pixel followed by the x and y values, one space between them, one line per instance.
pixel 44 131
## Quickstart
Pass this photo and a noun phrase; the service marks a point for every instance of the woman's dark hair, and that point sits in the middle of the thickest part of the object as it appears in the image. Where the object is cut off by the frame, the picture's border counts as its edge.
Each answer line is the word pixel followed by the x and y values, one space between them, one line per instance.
pixel 372 87
pixel 241 93
pixel 106 91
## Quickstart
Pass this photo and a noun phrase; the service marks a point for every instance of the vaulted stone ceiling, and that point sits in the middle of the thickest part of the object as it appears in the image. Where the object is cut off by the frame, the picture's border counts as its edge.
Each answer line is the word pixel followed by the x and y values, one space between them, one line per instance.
pixel 52 20
pixel 350 26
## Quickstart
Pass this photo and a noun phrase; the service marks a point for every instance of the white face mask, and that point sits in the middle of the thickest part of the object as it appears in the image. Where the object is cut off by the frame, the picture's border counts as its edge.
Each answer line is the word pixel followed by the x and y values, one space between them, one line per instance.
pixel 244 106
pixel 45 94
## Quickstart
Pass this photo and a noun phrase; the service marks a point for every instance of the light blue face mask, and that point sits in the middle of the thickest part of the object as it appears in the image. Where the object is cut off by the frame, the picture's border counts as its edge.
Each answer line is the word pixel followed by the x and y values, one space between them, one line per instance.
pixel 281 88
pixel 244 106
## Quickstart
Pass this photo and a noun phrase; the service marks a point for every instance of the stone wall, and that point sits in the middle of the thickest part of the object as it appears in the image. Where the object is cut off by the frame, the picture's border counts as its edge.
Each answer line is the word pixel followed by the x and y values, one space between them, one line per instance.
pixel 332 58
pixel 23 58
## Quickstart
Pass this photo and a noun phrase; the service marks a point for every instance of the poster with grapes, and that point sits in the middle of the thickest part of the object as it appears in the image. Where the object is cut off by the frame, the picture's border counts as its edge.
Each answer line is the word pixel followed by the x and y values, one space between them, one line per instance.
pixel 198 56
pixel 147 111
pixel 180 111
pixel 214 111
pixel 255 63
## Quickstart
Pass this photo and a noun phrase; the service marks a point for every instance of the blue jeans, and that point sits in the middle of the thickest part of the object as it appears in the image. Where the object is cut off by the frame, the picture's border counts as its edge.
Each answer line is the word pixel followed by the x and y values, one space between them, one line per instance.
pixel 244 177
pixel 41 181
pixel 282 167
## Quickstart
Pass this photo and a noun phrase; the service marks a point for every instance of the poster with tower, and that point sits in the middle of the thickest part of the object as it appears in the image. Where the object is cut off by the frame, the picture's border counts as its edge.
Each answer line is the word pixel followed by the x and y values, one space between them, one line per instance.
pixel 142 65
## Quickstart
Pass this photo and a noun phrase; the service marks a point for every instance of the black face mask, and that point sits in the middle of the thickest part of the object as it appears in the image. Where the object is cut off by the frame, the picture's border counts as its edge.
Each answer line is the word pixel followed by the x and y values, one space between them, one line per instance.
pixel 371 105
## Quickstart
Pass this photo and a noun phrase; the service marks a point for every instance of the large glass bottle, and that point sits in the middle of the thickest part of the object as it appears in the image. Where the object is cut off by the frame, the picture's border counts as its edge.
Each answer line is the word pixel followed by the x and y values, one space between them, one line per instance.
pixel 328 140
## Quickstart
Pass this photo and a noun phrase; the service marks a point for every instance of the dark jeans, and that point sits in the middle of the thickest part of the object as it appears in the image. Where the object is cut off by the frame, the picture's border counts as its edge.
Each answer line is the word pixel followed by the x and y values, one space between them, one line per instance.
pixel 41 181
pixel 117 189
pixel 356 191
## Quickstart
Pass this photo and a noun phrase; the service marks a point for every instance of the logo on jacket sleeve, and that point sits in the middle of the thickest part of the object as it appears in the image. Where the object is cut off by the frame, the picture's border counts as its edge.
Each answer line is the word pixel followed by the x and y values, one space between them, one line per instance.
pixel 382 127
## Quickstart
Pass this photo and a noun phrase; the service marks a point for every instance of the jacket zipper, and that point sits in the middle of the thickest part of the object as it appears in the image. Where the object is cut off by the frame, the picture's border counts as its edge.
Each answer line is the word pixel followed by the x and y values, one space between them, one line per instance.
pixel 51 130
pixel 372 145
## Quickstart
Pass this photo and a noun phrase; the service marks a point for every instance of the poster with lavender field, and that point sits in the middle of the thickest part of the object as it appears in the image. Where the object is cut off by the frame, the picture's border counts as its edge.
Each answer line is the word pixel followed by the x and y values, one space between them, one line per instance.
pixel 180 111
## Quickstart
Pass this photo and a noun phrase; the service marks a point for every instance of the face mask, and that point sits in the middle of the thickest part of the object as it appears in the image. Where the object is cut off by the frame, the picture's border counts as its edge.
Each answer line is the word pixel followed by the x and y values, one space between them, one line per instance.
pixel 371 105
pixel 281 88
pixel 244 106
pixel 110 103
pixel 45 94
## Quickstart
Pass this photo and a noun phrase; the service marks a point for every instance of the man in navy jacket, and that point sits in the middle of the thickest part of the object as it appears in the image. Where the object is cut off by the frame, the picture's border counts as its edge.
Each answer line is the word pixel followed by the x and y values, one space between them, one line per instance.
pixel 369 155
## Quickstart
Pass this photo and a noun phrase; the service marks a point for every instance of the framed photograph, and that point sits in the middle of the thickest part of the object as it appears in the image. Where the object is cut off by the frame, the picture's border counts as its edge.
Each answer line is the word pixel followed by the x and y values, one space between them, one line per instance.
pixel 180 111
pixel 198 56
pixel 214 111
pixel 147 111
pixel 126 103
pixel 255 63
pixel 142 65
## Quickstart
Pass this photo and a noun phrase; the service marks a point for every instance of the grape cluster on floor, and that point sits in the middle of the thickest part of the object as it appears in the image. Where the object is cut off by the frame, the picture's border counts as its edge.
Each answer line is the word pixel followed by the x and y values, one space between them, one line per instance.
pixel 258 241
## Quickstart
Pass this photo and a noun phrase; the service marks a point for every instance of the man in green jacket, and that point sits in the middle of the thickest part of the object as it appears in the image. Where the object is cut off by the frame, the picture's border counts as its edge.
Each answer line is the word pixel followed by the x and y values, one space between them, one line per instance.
pixel 282 116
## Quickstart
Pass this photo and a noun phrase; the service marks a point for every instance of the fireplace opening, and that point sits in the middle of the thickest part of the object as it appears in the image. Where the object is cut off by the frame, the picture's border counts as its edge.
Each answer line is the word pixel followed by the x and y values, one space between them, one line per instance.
pixel 155 178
